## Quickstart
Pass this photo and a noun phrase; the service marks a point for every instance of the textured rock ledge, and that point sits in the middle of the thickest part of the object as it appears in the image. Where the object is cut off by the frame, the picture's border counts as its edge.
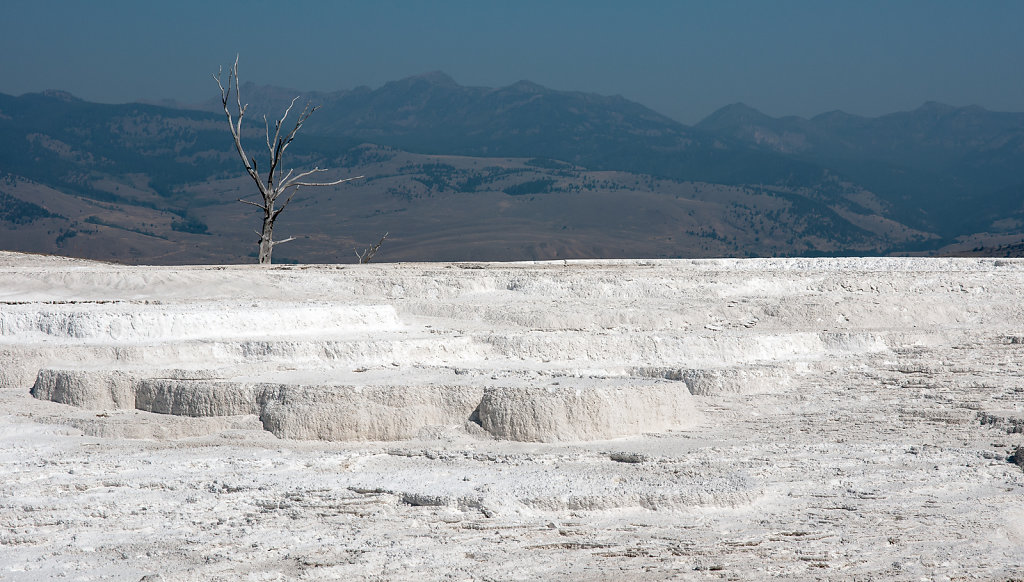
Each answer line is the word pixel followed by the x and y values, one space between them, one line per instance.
pixel 534 352
pixel 575 409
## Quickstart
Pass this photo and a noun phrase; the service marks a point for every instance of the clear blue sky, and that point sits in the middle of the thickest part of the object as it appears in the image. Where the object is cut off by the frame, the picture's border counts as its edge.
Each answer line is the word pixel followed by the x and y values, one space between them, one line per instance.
pixel 683 59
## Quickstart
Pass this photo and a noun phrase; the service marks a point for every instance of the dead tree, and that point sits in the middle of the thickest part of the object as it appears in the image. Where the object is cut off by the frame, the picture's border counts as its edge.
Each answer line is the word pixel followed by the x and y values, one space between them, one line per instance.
pixel 367 255
pixel 273 185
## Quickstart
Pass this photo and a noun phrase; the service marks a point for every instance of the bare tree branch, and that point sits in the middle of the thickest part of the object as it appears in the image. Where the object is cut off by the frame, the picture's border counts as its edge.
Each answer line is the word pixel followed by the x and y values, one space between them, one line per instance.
pixel 283 206
pixel 367 255
pixel 334 183
pixel 302 175
pixel 236 127
pixel 287 177
pixel 256 204
pixel 266 126
pixel 278 150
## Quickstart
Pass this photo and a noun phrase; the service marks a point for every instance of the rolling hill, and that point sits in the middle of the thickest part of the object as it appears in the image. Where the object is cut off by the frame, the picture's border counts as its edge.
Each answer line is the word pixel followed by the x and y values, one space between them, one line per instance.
pixel 518 172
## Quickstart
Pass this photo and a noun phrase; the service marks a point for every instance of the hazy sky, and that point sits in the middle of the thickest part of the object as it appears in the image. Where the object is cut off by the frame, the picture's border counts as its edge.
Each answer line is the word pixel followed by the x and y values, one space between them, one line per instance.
pixel 683 59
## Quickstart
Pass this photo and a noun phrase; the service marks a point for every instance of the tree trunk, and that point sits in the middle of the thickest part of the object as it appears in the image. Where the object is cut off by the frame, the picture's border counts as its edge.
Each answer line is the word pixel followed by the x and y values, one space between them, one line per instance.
pixel 267 240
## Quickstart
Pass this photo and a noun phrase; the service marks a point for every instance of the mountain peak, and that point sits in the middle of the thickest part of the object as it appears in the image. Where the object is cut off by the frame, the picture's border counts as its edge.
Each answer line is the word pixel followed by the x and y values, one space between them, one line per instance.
pixel 739 107
pixel 525 86
pixel 733 115
pixel 60 95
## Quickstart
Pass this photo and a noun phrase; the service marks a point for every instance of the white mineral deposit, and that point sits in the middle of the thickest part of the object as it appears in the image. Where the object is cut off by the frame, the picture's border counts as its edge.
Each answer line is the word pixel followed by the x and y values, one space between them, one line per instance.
pixel 573 420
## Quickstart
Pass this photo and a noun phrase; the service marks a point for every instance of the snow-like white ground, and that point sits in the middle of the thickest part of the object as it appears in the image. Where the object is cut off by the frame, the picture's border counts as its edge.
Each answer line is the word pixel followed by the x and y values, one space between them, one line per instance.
pixel 594 420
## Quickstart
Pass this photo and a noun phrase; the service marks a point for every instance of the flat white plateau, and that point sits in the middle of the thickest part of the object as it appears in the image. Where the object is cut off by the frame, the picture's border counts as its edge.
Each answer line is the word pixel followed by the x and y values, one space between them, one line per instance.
pixel 584 420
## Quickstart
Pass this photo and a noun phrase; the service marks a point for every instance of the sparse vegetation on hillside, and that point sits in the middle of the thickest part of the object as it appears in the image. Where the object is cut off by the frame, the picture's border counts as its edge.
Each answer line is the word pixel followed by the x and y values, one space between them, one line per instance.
pixel 17 211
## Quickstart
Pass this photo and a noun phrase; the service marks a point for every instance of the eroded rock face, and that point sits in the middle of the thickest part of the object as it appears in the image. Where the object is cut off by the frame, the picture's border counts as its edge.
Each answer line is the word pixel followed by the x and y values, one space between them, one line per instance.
pixel 585 411
pixel 96 389
pixel 578 409
pixel 196 397
pixel 352 413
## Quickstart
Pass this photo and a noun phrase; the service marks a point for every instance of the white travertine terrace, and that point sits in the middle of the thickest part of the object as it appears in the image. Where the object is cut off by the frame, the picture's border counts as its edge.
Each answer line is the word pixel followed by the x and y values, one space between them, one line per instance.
pixel 764 418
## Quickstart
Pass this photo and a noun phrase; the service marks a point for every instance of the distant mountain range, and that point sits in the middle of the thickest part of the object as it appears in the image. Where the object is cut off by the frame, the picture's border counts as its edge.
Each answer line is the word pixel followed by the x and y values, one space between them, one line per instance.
pixel 936 179
pixel 945 168
pixel 954 169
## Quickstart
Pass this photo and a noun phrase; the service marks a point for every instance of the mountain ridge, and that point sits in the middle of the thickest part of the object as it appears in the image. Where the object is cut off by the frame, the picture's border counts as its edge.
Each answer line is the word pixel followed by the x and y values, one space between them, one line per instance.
pixel 901 182
pixel 905 156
